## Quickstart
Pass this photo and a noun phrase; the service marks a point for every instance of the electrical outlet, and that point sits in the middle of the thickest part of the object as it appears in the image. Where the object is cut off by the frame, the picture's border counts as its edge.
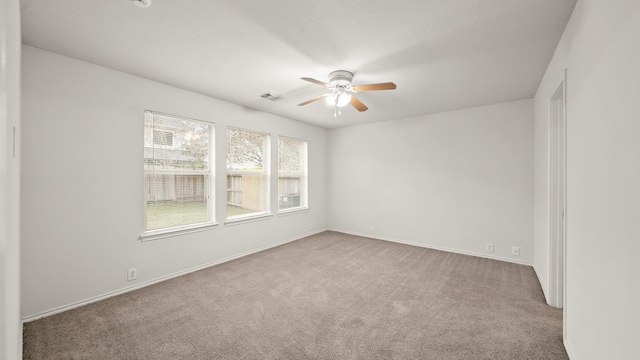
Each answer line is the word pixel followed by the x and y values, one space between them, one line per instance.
pixel 489 247
pixel 311 226
pixel 515 251
pixel 132 274
pixel 372 230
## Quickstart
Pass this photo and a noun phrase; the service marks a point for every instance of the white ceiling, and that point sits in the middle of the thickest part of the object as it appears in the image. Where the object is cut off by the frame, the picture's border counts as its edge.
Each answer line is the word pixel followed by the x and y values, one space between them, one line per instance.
pixel 442 54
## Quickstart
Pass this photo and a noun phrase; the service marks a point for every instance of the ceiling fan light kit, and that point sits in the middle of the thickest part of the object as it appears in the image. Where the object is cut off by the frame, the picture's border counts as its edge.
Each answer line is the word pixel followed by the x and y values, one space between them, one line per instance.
pixel 339 97
pixel 341 89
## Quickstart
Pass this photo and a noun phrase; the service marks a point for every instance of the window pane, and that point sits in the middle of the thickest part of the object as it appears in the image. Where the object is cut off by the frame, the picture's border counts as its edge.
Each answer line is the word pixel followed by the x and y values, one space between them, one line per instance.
pixel 292 173
pixel 176 200
pixel 177 172
pixel 247 173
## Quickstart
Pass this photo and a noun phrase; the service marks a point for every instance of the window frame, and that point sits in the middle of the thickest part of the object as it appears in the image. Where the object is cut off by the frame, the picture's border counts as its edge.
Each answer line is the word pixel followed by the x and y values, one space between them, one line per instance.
pixel 303 175
pixel 209 182
pixel 266 181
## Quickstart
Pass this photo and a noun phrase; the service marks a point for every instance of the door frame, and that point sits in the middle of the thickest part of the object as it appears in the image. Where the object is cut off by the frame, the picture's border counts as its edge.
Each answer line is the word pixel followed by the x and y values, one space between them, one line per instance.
pixel 558 197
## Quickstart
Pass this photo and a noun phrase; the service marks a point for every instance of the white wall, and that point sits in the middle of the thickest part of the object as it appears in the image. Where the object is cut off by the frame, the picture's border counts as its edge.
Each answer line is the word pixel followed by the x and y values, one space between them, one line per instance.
pixel 454 180
pixel 82 181
pixel 10 324
pixel 601 51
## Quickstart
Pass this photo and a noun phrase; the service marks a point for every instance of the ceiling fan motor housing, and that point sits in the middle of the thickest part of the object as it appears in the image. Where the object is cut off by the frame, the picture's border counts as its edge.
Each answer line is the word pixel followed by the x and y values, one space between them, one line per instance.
pixel 340 78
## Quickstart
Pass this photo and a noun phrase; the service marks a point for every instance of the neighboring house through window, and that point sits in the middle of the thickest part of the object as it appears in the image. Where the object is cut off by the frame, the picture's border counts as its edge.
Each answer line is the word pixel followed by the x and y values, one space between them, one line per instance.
pixel 177 172
pixel 163 138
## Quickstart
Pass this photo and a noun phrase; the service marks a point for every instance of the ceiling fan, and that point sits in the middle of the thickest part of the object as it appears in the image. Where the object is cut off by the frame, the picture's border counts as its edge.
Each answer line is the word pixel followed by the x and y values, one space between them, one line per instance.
pixel 341 89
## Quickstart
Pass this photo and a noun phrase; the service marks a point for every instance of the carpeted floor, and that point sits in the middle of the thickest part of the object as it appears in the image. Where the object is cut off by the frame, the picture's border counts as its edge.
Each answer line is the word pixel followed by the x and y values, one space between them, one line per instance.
pixel 328 296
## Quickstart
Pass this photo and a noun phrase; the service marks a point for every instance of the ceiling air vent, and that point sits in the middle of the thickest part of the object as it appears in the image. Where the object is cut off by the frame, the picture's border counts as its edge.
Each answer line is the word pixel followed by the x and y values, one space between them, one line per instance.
pixel 272 97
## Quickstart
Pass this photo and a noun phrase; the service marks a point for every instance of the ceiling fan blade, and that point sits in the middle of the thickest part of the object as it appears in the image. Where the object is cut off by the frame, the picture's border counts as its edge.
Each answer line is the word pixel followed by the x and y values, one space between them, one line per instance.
pixel 314 99
pixel 317 82
pixel 373 87
pixel 358 104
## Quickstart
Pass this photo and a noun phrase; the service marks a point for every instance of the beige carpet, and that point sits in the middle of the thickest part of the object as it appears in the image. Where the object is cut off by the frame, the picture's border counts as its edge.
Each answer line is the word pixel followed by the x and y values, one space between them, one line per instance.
pixel 328 296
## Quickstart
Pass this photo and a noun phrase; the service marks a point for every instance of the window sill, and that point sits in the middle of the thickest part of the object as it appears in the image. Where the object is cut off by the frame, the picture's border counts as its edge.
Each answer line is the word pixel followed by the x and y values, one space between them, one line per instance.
pixel 293 211
pixel 242 220
pixel 176 231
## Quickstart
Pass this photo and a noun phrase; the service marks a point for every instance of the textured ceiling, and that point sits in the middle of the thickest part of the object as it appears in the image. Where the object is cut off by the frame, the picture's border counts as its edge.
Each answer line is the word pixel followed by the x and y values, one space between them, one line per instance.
pixel 442 54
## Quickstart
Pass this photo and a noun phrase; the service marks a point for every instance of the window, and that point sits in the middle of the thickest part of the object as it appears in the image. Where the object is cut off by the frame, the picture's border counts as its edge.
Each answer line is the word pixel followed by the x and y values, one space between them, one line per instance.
pixel 247 174
pixel 177 173
pixel 292 174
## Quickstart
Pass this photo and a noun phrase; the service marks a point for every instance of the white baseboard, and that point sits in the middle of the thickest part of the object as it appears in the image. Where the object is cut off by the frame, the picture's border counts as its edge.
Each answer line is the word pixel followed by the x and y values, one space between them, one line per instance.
pixel 74 305
pixel 427 246
pixel 543 287
pixel 568 349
